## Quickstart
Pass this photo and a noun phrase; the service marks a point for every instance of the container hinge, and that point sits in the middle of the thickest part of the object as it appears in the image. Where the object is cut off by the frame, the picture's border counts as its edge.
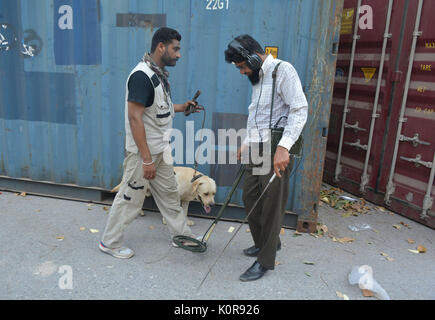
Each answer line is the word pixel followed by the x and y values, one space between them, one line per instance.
pixel 355 127
pixel 417 33
pixel 356 37
pixel 427 204
pixel 364 181
pixel 417 161
pixel 391 188
pixel 357 144
pixel 415 140
pixel 388 35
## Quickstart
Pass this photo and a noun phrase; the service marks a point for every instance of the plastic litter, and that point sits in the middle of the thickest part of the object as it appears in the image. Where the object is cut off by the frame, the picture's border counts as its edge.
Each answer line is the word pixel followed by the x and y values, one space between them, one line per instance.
pixel 347 198
pixel 363 276
pixel 360 227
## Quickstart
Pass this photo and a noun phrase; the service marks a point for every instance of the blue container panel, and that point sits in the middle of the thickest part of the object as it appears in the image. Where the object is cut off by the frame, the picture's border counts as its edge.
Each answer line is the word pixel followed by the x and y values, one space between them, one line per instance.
pixel 62 106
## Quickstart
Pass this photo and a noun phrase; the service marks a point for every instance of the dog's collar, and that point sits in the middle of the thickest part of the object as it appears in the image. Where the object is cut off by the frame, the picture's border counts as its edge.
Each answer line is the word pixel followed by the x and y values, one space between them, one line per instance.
pixel 196 178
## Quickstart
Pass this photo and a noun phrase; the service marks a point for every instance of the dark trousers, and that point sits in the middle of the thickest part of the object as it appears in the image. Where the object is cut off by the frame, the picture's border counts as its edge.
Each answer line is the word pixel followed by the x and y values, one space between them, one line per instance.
pixel 265 222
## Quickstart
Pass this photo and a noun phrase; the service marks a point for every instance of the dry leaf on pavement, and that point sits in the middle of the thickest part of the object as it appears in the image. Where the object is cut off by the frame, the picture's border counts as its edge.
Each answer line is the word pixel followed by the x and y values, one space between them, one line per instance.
pixel 345 239
pixel 397 226
pixel 341 295
pixel 411 241
pixel 413 251
pixel 367 293
pixel 421 249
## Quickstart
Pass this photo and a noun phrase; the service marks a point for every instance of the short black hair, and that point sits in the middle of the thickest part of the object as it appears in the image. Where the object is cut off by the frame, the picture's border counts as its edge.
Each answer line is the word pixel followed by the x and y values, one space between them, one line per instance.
pixel 250 44
pixel 165 35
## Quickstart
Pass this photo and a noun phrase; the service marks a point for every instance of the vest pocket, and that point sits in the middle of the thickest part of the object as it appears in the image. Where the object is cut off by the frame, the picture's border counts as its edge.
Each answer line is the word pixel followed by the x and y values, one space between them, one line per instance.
pixel 162 114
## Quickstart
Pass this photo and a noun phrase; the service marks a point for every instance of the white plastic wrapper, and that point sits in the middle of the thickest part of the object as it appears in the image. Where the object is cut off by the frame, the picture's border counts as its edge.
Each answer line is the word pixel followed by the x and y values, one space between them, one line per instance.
pixel 363 276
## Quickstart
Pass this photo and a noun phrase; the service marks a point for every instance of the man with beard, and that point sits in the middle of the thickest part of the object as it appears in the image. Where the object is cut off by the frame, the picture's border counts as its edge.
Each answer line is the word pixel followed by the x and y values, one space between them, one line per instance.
pixel 290 110
pixel 148 118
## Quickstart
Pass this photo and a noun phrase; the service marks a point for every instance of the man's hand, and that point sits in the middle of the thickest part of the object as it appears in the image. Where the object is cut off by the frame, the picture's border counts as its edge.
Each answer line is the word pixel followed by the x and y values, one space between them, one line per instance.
pixel 149 170
pixel 241 151
pixel 280 160
pixel 184 106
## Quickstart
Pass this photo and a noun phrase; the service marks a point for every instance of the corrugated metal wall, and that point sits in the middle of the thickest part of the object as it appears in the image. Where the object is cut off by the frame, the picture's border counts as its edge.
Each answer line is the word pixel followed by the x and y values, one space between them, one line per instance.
pixel 63 66
pixel 396 166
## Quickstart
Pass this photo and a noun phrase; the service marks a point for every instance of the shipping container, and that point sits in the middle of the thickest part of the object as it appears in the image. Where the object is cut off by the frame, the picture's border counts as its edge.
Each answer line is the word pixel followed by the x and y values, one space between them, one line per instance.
pixel 63 67
pixel 381 142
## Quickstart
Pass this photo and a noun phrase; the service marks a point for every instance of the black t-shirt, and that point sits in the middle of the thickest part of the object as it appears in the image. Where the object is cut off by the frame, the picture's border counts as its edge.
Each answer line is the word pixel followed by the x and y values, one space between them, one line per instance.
pixel 140 89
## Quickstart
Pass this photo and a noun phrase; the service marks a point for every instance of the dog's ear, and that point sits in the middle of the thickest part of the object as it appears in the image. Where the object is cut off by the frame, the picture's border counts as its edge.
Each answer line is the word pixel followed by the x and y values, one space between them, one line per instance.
pixel 195 186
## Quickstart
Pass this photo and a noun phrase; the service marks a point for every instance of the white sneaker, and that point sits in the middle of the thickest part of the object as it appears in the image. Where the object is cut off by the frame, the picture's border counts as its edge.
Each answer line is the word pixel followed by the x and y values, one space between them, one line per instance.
pixel 121 253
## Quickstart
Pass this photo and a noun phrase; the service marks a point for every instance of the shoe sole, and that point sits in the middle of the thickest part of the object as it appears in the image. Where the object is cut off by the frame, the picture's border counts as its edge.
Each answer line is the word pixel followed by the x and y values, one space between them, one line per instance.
pixel 113 254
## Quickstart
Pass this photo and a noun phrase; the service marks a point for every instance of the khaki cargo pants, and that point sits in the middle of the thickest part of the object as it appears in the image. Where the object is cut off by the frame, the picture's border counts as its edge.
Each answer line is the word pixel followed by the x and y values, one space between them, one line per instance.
pixel 131 195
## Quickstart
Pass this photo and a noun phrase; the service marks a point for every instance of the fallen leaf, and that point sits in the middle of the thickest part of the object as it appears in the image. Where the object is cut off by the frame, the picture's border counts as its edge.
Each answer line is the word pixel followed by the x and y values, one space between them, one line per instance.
pixel 309 263
pixel 23 194
pixel 60 237
pixel 381 209
pixel 307 274
pixel 296 233
pixel 404 224
pixel 386 256
pixel 282 231
pixel 248 230
pixel 231 229
pixel 93 230
pixel 413 251
pixel 398 227
pixel 345 240
pixel 421 249
pixel 325 199
pixel 152 227
pixel 341 295
pixel 82 228
pixel 411 241
pixel 314 235
pixel 277 263
pixel 367 293
pixel 106 208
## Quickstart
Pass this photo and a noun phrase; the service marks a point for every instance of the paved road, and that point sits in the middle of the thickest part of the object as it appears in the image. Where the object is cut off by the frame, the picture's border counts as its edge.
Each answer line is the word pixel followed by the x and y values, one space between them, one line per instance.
pixel 50 252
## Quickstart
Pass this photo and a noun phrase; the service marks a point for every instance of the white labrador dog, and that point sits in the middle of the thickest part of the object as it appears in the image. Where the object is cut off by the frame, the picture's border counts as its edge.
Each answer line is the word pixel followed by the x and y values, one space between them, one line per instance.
pixel 192 185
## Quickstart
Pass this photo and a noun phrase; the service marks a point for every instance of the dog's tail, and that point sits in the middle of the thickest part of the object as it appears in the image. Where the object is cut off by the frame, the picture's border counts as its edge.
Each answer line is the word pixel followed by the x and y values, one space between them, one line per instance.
pixel 115 189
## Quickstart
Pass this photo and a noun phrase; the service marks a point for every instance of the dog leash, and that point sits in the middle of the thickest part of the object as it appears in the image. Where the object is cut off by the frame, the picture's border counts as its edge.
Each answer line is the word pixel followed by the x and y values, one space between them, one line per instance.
pixel 189 110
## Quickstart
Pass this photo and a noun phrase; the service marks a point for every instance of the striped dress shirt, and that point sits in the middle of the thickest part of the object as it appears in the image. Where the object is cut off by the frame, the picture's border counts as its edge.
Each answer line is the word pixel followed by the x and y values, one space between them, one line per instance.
pixel 289 102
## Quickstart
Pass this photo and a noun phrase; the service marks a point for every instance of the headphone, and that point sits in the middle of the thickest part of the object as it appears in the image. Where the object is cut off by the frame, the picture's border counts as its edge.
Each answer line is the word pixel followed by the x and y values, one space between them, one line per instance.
pixel 253 61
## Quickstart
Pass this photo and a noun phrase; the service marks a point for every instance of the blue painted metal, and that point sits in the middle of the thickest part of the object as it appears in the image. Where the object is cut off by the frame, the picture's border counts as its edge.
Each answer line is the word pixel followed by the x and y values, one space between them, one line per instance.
pixel 62 110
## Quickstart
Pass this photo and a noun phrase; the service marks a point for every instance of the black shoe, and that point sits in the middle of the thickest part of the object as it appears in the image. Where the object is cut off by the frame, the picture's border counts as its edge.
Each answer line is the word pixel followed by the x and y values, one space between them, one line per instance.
pixel 253 251
pixel 255 272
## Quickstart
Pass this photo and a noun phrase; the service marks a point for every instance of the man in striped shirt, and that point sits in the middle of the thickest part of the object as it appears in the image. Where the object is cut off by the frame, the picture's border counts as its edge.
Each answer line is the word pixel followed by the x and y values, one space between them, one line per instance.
pixel 290 110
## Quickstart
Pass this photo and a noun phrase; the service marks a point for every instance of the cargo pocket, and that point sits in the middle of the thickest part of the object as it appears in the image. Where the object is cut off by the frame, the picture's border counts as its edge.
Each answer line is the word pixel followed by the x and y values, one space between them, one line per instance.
pixel 136 185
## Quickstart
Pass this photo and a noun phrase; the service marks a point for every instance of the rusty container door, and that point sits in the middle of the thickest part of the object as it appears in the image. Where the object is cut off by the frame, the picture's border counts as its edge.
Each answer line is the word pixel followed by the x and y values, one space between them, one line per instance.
pixel 381 141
